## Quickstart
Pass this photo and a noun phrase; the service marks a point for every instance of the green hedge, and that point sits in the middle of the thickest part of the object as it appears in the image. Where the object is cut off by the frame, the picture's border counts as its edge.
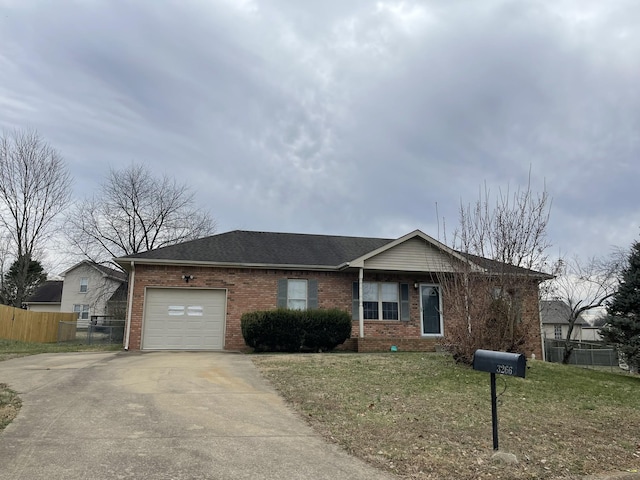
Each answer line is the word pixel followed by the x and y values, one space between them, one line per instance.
pixel 295 330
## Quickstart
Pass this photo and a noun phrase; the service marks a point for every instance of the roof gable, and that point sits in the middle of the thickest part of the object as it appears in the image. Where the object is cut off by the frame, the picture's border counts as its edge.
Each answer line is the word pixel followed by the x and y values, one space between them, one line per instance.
pixel 415 251
pixel 104 270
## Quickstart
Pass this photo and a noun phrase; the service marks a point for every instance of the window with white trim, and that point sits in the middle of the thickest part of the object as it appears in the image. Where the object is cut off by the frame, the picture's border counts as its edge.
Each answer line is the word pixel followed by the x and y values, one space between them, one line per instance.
pixel 297 294
pixel 557 332
pixel 84 284
pixel 82 311
pixel 380 301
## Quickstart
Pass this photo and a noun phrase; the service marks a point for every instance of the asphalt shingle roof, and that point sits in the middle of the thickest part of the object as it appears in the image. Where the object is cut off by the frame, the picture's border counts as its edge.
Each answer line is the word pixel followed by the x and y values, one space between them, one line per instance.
pixel 245 247
pixel 49 292
pixel 501 267
pixel 556 312
pixel 268 248
pixel 111 272
pixel 120 294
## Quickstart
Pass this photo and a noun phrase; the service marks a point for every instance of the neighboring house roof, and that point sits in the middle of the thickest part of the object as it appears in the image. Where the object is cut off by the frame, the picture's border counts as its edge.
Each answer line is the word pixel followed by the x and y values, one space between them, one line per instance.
pixel 104 270
pixel 248 248
pixel 120 294
pixel 557 312
pixel 49 292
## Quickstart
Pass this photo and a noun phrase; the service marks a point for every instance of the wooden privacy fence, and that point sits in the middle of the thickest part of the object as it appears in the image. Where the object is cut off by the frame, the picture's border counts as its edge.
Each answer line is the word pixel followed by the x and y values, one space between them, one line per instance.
pixel 27 326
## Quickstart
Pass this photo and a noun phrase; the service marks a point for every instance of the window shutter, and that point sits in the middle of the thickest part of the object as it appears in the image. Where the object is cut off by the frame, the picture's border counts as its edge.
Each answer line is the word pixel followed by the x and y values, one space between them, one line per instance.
pixel 282 293
pixel 404 302
pixel 355 304
pixel 312 294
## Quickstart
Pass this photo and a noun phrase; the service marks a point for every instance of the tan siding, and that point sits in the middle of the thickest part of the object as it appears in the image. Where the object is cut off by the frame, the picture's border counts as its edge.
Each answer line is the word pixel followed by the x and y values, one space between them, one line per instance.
pixel 43 307
pixel 414 255
pixel 100 289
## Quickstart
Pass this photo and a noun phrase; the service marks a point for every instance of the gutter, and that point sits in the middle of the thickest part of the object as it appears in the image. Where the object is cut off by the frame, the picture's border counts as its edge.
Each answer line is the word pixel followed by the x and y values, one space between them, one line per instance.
pixel 132 278
pixel 262 266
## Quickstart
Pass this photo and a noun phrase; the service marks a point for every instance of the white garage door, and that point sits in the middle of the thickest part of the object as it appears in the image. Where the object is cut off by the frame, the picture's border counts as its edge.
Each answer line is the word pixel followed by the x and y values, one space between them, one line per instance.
pixel 184 319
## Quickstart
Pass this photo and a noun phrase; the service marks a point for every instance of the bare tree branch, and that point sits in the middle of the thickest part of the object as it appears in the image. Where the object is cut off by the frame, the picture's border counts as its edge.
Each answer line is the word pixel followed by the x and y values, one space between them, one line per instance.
pixel 34 189
pixel 496 306
pixel 584 286
pixel 133 212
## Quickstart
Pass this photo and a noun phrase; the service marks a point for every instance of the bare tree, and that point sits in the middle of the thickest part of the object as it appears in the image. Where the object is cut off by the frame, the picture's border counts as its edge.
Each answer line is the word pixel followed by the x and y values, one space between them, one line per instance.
pixel 492 298
pixel 34 189
pixel 584 286
pixel 135 211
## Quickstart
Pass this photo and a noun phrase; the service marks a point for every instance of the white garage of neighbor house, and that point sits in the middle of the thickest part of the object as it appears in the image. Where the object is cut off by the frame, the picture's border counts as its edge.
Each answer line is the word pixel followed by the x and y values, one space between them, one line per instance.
pixel 184 319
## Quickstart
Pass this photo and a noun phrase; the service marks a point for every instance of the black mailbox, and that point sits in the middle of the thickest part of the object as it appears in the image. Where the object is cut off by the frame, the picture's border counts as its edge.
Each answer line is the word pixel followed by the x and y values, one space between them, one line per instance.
pixel 505 363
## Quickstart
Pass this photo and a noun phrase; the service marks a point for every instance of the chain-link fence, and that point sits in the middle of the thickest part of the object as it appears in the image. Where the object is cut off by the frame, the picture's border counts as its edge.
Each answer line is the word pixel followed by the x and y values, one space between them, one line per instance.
pixel 101 330
pixel 105 329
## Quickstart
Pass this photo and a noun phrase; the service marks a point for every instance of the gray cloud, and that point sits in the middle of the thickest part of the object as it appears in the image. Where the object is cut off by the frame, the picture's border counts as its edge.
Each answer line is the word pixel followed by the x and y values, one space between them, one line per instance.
pixel 342 117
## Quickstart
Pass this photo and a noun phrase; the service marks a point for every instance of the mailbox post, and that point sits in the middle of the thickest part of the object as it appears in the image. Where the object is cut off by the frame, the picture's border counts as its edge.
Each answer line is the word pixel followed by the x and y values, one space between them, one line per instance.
pixel 504 363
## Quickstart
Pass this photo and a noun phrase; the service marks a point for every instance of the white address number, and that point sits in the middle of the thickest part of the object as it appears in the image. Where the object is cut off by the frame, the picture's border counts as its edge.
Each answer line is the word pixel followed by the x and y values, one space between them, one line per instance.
pixel 504 369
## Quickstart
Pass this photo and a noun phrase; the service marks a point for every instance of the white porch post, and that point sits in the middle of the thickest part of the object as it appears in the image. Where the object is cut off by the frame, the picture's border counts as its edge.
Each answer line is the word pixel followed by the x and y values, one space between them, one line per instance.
pixel 360 304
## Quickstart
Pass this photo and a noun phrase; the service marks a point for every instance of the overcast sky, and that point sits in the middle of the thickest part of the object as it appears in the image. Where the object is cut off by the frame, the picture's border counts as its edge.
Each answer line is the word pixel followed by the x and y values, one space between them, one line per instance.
pixel 342 117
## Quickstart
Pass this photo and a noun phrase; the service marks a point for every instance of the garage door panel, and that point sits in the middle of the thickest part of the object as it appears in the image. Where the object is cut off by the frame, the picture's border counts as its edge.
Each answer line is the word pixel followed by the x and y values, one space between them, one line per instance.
pixel 184 319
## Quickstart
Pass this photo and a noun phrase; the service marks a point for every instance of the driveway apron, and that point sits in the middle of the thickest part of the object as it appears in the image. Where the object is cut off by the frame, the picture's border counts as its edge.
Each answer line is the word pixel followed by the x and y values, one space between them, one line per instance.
pixel 159 415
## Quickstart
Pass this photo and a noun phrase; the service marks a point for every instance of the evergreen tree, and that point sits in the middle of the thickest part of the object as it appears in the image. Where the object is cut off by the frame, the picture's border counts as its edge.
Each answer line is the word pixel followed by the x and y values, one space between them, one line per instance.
pixel 21 281
pixel 623 322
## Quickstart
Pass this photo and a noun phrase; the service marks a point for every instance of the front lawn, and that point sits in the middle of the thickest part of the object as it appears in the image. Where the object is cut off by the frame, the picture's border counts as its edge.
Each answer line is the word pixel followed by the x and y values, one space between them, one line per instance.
pixel 423 416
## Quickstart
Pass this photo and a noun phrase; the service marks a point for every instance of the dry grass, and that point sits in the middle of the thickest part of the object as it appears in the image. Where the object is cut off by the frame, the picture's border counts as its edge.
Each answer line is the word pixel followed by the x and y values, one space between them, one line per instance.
pixel 9 405
pixel 12 348
pixel 422 416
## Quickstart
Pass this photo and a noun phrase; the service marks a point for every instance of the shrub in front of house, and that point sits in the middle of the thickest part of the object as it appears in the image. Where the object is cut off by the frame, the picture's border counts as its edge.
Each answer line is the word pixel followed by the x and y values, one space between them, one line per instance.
pixel 295 330
pixel 324 330
pixel 272 330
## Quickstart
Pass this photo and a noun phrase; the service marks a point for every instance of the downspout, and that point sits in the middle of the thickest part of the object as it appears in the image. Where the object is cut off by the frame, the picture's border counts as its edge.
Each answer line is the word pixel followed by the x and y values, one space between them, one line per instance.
pixel 132 278
pixel 542 335
pixel 360 303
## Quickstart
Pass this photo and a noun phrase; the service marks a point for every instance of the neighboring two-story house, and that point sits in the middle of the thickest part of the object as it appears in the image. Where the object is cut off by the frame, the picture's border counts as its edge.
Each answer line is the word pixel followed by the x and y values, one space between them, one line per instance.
pixel 555 316
pixel 87 288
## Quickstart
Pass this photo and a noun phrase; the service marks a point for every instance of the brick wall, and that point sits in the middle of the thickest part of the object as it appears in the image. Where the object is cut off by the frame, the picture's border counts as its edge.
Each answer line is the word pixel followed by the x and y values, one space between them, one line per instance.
pixel 256 289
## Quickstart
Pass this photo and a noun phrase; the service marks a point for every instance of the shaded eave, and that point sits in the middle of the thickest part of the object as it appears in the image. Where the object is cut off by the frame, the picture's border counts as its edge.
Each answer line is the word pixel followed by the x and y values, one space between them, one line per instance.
pixel 56 302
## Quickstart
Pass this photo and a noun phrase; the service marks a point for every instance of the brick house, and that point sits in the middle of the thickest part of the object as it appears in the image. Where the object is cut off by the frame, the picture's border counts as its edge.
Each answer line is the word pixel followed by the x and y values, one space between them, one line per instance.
pixel 191 296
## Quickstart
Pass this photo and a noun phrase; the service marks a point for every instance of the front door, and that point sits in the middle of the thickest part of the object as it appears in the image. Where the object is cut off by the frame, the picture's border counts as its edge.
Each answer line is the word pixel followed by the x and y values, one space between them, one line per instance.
pixel 430 310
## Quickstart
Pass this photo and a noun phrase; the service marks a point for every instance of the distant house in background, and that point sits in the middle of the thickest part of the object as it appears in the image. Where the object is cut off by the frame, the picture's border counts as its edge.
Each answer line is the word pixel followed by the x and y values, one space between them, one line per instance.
pixel 47 297
pixel 554 315
pixel 591 333
pixel 87 289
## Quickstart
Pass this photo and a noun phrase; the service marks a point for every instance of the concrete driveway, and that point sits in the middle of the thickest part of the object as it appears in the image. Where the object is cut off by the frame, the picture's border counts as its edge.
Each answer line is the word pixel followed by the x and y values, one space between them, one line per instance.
pixel 170 415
